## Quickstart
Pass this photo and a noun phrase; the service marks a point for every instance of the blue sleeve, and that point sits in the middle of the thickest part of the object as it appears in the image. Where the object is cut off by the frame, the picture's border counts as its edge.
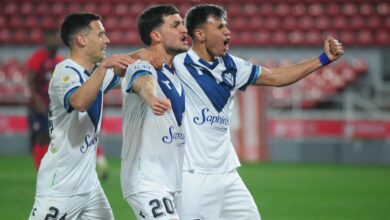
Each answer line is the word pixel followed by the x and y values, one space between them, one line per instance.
pixel 255 73
pixel 115 81
pixel 68 107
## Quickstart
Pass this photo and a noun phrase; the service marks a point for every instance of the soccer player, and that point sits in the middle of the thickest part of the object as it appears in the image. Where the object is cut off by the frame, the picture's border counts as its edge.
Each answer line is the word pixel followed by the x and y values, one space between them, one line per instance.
pixel 212 189
pixel 41 65
pixel 153 110
pixel 67 183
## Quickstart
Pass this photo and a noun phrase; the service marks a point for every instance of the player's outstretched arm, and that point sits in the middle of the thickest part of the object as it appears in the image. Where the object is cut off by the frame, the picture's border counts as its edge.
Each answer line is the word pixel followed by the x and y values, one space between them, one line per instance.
pixel 283 76
pixel 143 54
pixel 145 87
pixel 86 94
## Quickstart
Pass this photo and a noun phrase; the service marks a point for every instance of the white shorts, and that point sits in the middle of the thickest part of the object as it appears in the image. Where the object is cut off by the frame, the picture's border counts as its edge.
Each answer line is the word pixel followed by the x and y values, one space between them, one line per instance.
pixel 93 205
pixel 216 197
pixel 154 205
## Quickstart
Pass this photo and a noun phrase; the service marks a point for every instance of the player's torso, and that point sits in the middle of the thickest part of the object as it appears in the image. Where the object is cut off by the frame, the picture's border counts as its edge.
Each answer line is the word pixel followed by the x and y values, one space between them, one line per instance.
pixel 155 144
pixel 210 89
pixel 69 164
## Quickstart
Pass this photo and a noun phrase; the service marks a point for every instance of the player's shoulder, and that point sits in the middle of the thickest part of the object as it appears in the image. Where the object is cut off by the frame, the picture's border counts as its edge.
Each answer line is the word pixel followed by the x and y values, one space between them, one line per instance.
pixel 179 57
pixel 67 66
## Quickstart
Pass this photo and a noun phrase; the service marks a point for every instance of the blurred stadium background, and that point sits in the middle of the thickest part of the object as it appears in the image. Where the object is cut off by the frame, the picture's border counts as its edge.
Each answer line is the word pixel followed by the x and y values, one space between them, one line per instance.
pixel 338 115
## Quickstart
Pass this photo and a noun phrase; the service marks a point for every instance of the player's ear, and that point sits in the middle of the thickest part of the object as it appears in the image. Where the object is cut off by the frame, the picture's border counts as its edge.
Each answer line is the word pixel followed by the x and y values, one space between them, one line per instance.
pixel 155 36
pixel 80 39
pixel 199 35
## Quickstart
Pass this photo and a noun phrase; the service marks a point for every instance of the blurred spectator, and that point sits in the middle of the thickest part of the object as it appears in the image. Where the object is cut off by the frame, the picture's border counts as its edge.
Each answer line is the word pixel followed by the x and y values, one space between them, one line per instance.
pixel 40 67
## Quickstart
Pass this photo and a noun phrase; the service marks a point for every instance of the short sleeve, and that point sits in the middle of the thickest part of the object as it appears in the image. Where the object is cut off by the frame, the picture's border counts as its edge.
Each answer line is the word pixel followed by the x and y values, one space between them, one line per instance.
pixel 66 81
pixel 110 80
pixel 136 70
pixel 247 73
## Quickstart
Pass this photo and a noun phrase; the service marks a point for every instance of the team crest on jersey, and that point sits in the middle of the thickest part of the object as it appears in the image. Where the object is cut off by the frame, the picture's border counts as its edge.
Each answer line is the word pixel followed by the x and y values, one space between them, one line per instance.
pixel 228 78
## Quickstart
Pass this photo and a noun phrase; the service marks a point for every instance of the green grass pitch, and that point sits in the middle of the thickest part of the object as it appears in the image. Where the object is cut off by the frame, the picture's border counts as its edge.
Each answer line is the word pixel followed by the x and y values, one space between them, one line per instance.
pixel 281 191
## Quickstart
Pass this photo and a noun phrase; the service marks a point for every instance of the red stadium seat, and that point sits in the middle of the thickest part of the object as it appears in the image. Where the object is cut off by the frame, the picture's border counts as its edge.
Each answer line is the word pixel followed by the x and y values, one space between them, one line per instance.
pixel 282 9
pixel 255 23
pixel 333 9
pixel 127 23
pixel 233 9
pixel 15 22
pixel 266 9
pixel 272 23
pixel 298 9
pixel 316 9
pixel 132 38
pixel 121 9
pixel 347 37
pixel 249 9
pixel 42 8
pixel 239 24
pixel 73 7
pixel 296 38
pixel 36 36
pixel 357 23
pixel 365 37
pixel 136 9
pixel 374 22
pixel 306 23
pixel 350 9
pixel 20 36
pixel 262 38
pixel 5 36
pixel 90 6
pixel 280 38
pixel 31 22
pixel 382 37
pixel 2 21
pixel 366 9
pixel 383 8
pixel 105 9
pixel 322 23
pixel 10 9
pixel 290 23
pixel 340 23
pixel 26 8
pixel 58 9
pixel 313 38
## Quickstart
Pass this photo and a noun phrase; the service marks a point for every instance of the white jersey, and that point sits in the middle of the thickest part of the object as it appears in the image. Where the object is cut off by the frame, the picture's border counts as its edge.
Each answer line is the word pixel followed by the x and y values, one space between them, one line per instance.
pixel 210 89
pixel 68 168
pixel 153 146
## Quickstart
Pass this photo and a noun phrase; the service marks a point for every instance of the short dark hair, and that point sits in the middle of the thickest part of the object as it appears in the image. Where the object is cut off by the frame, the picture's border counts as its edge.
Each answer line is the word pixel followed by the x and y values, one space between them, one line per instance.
pixel 198 15
pixel 75 22
pixel 152 18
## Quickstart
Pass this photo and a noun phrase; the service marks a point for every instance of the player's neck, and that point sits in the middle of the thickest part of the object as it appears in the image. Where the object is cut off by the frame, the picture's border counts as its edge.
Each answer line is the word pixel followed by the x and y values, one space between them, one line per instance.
pixel 201 51
pixel 82 60
pixel 158 48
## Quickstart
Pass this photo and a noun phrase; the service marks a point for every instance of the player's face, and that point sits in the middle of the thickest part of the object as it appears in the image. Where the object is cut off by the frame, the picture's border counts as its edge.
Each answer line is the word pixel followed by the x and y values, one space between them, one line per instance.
pixel 217 36
pixel 174 34
pixel 97 41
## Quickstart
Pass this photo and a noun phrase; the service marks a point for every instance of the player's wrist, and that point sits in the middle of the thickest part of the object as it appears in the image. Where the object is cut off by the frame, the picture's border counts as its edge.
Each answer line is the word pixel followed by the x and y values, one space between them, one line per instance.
pixel 324 59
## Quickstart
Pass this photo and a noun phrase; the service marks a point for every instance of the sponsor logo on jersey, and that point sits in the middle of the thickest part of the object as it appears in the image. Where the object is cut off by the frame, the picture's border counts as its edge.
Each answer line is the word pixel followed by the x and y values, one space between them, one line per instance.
pixel 88 142
pixel 142 66
pixel 66 85
pixel 66 78
pixel 206 117
pixel 173 135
